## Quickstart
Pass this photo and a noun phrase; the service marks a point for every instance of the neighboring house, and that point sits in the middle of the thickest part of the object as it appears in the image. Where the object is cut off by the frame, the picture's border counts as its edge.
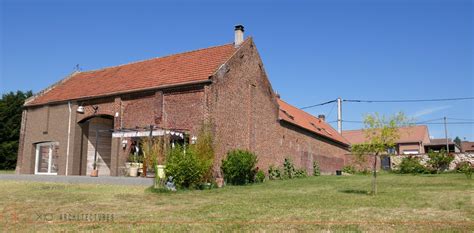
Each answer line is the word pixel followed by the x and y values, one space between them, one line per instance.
pixel 467 146
pixel 436 144
pixel 112 108
pixel 412 139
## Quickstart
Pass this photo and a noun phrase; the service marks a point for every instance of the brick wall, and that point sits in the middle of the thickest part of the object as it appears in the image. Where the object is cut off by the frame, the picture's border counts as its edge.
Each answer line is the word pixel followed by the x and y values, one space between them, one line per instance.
pixel 244 111
pixel 175 108
pixel 240 103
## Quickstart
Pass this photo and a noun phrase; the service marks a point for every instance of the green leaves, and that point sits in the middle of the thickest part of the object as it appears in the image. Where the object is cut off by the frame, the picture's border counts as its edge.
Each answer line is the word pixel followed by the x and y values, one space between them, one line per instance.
pixel 185 167
pixel 10 123
pixel 439 161
pixel 381 133
pixel 239 167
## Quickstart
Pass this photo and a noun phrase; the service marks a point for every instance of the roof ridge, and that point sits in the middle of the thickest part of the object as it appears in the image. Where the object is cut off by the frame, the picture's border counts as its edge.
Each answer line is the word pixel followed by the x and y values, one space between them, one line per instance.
pixel 154 58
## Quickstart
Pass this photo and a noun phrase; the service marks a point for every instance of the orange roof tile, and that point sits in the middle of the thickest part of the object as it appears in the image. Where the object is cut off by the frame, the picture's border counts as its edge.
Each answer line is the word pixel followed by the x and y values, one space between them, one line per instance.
pixel 296 116
pixel 409 134
pixel 467 146
pixel 180 68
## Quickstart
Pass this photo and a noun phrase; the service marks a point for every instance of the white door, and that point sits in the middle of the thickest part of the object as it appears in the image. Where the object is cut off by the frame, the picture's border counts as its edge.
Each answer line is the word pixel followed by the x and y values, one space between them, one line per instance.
pixel 46 158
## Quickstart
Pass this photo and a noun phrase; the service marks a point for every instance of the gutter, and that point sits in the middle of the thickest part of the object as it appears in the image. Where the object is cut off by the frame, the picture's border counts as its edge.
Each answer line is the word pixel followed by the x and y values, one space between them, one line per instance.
pixel 207 81
pixel 68 137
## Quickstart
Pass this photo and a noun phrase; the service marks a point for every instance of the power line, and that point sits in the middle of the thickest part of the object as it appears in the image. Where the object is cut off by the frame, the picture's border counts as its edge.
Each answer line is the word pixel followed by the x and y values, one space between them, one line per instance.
pixel 437 119
pixel 451 123
pixel 424 122
pixel 321 104
pixel 330 111
pixel 407 101
pixel 460 119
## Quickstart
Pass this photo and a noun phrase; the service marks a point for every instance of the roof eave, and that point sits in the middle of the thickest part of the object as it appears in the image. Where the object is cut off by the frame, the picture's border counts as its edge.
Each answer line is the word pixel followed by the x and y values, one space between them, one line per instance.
pixel 322 135
pixel 200 82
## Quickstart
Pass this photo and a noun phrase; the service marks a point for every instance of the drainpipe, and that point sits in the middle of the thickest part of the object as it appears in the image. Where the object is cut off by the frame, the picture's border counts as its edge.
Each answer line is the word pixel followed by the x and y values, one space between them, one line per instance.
pixel 68 137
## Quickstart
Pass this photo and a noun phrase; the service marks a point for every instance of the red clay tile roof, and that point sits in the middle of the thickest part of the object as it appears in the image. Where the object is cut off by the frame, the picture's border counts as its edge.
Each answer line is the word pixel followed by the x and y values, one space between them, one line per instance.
pixel 309 122
pixel 467 146
pixel 406 135
pixel 440 141
pixel 180 68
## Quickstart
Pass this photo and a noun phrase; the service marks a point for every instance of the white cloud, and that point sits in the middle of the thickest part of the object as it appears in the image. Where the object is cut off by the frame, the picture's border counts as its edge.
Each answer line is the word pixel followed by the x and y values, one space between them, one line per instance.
pixel 428 111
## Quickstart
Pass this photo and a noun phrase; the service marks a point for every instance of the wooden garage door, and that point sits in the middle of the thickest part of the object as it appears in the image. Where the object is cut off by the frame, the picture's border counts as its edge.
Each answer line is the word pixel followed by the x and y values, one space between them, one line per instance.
pixel 104 146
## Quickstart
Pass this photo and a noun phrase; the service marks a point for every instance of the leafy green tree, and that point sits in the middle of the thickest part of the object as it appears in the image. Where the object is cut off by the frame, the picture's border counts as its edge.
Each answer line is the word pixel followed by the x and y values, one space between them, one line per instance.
pixel 381 133
pixel 457 140
pixel 10 121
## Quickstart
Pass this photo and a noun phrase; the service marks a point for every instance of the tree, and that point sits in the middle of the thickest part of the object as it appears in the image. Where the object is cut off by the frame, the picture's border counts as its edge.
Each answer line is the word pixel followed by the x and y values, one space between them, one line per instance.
pixel 10 122
pixel 381 133
pixel 457 140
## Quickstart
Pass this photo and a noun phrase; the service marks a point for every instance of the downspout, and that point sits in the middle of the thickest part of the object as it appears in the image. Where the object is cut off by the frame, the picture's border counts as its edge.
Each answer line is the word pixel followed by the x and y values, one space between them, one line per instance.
pixel 68 137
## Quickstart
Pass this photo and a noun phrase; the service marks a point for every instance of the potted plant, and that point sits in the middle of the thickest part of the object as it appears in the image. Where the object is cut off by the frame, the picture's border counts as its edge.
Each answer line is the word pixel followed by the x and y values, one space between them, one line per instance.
pixel 134 165
pixel 95 171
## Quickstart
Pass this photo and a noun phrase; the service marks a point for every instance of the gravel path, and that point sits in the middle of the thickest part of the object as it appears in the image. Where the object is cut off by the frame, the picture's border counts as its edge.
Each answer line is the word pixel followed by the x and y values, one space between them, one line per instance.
pixel 115 180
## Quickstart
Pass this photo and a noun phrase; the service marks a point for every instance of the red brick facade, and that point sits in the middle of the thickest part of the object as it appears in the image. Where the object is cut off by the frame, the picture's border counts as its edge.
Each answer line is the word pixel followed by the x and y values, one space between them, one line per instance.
pixel 238 100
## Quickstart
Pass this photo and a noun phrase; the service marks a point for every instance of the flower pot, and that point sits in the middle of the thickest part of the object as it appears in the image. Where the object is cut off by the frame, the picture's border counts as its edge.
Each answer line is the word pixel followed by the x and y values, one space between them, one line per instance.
pixel 133 171
pixel 220 182
pixel 161 171
pixel 95 173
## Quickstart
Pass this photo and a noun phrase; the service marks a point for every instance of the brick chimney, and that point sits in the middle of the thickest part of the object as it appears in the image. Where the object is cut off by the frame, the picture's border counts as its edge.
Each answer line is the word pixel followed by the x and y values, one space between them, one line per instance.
pixel 239 35
pixel 322 117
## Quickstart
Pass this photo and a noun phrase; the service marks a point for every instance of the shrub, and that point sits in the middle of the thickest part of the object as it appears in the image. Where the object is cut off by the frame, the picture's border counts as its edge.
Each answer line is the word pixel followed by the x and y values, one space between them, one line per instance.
pixel 185 168
pixel 316 168
pixel 349 169
pixel 411 165
pixel 260 177
pixel 274 173
pixel 239 167
pixel 288 169
pixel 439 161
pixel 204 150
pixel 466 168
pixel 300 173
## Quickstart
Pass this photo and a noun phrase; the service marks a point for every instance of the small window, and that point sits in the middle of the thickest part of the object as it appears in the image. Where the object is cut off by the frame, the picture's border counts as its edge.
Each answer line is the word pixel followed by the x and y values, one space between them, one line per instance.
pixel 410 152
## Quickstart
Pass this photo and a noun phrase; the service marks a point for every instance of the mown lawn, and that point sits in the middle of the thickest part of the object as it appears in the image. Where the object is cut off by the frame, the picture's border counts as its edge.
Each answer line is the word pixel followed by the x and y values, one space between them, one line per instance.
pixel 407 203
pixel 7 172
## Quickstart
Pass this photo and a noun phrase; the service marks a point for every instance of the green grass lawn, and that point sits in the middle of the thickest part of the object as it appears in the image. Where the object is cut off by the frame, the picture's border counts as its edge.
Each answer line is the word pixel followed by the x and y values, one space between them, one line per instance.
pixel 423 203
pixel 7 172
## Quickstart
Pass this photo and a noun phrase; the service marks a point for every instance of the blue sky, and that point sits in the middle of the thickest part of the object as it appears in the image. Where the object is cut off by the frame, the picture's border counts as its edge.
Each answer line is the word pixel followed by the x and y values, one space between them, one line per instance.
pixel 313 51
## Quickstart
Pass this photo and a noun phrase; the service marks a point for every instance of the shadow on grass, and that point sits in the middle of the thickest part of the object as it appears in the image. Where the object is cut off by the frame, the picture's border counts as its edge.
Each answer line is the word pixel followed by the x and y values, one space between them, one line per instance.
pixel 355 191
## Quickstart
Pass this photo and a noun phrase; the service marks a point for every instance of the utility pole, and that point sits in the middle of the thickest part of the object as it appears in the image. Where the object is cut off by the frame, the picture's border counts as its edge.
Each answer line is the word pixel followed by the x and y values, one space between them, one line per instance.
pixel 339 115
pixel 446 135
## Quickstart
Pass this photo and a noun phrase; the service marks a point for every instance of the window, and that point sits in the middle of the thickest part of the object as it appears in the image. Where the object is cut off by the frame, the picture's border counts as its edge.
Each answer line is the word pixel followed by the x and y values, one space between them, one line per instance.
pixel 391 150
pixel 410 152
pixel 46 158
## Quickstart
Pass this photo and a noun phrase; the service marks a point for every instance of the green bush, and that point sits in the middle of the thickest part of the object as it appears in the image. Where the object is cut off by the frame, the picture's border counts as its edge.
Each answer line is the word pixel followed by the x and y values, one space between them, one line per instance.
pixel 300 173
pixel 274 173
pixel 288 169
pixel 316 168
pixel 349 169
pixel 260 177
pixel 439 161
pixel 466 168
pixel 185 168
pixel 239 167
pixel 411 165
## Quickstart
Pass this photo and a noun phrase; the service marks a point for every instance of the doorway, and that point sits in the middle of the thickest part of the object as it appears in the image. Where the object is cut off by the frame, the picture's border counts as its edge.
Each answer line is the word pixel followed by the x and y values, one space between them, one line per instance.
pixel 99 145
